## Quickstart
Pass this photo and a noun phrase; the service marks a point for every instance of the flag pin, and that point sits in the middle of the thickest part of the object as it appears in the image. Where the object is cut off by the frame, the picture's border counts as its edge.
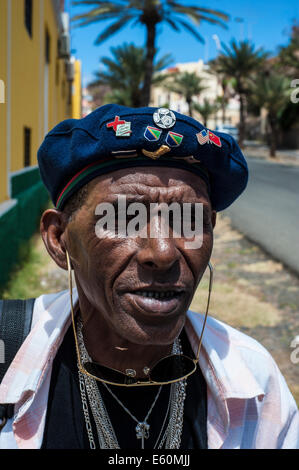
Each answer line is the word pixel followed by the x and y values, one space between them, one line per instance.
pixel 152 133
pixel 173 139
pixel 206 136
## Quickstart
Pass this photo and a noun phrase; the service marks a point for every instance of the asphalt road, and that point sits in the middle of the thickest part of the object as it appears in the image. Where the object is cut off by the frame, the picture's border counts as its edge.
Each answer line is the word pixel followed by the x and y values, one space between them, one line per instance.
pixel 268 211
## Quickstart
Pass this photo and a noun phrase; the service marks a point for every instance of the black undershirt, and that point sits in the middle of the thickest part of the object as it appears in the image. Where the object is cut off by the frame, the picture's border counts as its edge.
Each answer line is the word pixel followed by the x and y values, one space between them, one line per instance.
pixel 65 425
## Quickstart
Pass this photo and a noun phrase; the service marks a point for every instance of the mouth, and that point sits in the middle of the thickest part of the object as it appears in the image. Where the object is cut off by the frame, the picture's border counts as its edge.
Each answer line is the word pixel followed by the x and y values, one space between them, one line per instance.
pixel 154 301
pixel 158 295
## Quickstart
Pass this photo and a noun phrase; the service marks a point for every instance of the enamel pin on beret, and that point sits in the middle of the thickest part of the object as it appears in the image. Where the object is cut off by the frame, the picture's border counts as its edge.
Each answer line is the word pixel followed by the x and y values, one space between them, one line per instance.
pixel 115 137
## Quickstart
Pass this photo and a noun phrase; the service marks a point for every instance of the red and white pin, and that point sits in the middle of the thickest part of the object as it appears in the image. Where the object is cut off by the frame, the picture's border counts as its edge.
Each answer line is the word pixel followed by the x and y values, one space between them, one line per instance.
pixel 121 128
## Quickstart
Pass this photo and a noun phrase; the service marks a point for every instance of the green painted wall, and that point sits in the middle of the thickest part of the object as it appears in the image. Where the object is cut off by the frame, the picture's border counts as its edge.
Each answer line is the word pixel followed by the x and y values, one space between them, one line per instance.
pixel 19 223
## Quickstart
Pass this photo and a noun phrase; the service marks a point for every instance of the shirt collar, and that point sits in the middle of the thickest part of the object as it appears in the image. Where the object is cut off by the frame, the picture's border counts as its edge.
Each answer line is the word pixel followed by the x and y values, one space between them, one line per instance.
pixel 51 319
pixel 221 356
pixel 226 373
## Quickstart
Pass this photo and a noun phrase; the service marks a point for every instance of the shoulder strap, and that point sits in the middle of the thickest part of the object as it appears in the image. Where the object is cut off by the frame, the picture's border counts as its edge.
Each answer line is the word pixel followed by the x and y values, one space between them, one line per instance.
pixel 15 324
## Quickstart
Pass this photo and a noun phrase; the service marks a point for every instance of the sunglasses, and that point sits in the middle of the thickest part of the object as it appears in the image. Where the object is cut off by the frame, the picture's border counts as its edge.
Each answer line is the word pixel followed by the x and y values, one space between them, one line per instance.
pixel 169 369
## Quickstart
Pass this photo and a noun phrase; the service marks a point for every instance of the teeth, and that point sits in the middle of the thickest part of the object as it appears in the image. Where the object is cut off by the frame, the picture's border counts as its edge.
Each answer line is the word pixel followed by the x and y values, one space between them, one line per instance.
pixel 157 295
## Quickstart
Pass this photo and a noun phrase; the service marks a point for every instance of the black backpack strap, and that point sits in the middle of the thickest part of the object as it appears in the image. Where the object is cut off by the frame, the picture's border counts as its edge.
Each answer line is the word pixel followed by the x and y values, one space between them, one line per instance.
pixel 15 325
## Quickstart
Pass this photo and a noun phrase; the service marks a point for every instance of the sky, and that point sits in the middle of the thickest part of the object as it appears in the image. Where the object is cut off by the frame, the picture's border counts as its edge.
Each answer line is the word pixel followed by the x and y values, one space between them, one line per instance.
pixel 264 22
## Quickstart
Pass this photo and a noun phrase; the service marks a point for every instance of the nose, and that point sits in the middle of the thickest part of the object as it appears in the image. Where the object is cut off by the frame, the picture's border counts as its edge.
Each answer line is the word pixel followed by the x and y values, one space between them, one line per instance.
pixel 158 253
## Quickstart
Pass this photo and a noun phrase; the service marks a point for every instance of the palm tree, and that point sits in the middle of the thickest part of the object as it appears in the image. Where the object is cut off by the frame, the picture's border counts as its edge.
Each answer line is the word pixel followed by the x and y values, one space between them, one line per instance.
pixel 240 61
pixel 226 84
pixel 124 74
pixel 149 13
pixel 118 97
pixel 271 92
pixel 289 55
pixel 206 110
pixel 187 84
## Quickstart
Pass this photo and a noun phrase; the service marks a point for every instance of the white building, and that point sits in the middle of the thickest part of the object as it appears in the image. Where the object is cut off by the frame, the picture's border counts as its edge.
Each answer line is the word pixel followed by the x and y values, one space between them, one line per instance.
pixel 163 97
pixel 86 102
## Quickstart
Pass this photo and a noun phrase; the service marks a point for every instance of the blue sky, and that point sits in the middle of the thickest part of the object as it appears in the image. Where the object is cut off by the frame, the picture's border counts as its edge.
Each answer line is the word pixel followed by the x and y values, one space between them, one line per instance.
pixel 266 23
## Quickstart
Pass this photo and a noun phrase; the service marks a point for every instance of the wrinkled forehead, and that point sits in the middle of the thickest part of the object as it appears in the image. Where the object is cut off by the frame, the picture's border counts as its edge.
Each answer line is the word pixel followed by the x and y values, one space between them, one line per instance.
pixel 151 183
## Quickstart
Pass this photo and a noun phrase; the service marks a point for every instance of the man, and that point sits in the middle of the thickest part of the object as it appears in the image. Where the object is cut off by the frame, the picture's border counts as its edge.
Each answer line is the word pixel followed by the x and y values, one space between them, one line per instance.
pixel 116 362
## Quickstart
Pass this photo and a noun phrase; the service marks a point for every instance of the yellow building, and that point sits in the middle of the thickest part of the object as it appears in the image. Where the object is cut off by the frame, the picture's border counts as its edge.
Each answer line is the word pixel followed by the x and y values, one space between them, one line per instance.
pixel 40 85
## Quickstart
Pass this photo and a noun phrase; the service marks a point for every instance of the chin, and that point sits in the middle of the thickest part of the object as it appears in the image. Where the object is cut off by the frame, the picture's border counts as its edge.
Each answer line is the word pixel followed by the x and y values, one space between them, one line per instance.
pixel 152 332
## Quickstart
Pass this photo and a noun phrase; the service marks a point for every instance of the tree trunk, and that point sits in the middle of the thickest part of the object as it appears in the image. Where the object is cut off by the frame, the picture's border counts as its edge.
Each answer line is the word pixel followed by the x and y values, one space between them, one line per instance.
pixel 136 97
pixel 242 120
pixel 273 136
pixel 223 103
pixel 149 61
pixel 223 112
pixel 189 102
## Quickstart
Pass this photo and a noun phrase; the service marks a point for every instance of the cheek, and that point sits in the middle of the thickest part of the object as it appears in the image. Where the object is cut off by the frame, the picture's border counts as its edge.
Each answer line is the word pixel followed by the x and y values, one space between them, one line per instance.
pixel 104 260
pixel 198 257
pixel 79 241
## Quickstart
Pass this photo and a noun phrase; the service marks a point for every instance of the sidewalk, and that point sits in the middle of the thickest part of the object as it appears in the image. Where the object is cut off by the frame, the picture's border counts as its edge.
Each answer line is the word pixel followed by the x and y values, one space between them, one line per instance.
pixel 254 294
pixel 257 150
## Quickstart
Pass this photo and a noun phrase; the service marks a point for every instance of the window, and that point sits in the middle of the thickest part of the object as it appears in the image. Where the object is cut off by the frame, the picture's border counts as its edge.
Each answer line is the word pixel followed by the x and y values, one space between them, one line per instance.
pixel 47 47
pixel 28 16
pixel 2 91
pixel 27 146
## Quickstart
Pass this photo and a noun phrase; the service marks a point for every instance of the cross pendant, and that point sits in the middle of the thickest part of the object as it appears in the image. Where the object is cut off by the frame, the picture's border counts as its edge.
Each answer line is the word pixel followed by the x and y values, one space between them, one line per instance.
pixel 142 432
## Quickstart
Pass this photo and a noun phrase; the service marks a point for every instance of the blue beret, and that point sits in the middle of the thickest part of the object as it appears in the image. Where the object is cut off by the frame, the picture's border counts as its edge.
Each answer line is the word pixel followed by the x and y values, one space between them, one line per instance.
pixel 114 137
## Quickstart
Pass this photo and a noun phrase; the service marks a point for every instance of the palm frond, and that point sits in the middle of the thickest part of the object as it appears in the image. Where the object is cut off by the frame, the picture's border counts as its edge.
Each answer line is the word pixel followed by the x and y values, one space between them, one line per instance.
pixel 191 30
pixel 100 3
pixel 185 83
pixel 206 109
pixel 121 97
pixel 195 8
pixel 218 13
pixel 197 17
pixel 163 62
pixel 112 29
pixel 212 21
pixel 95 16
pixel 172 24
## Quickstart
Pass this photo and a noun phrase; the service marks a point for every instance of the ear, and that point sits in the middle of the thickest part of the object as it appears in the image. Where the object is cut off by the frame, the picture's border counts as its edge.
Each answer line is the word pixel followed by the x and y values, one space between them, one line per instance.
pixel 214 217
pixel 52 228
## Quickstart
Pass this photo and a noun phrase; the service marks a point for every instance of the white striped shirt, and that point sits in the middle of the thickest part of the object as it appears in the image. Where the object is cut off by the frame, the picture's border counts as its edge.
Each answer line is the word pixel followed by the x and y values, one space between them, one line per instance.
pixel 249 403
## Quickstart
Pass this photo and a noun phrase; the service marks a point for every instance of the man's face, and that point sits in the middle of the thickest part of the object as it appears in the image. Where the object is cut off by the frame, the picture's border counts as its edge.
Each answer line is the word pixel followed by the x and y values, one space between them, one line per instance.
pixel 141 287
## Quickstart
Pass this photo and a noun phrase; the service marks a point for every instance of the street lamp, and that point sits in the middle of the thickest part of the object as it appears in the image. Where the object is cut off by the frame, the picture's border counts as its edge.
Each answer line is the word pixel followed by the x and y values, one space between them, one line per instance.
pixel 217 42
pixel 241 22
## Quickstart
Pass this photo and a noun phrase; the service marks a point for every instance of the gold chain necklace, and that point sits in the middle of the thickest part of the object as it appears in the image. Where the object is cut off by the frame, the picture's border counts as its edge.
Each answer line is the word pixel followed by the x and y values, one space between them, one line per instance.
pixel 106 433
